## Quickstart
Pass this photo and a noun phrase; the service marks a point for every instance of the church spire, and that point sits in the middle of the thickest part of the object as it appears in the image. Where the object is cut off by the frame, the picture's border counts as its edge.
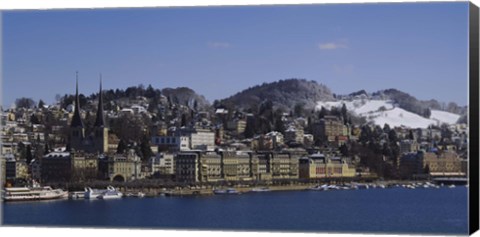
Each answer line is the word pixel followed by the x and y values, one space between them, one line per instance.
pixel 76 120
pixel 100 120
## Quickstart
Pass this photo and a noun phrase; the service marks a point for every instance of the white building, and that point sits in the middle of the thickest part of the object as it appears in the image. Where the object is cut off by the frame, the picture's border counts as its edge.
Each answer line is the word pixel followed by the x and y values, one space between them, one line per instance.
pixel 186 139
pixel 163 164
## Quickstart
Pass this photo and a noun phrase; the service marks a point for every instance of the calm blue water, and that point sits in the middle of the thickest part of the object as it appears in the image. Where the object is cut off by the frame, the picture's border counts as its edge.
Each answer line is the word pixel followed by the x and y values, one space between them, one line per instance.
pixel 394 210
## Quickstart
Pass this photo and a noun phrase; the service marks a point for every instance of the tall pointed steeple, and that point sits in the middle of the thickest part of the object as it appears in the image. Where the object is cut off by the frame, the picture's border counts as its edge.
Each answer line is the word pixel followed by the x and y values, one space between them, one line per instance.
pixel 100 120
pixel 77 120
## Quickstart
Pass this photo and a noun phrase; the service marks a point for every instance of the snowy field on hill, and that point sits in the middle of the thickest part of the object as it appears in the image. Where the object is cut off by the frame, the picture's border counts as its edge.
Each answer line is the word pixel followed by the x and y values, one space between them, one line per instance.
pixel 444 117
pixel 384 111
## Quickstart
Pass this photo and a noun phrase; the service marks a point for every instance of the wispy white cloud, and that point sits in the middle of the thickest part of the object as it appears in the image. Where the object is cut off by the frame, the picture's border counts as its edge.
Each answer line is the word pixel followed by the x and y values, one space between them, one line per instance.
pixel 341 44
pixel 219 45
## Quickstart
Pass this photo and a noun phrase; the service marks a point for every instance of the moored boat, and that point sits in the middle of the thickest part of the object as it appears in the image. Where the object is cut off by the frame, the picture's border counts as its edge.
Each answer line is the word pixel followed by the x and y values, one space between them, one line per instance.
pixel 225 191
pixel 93 193
pixel 139 195
pixel 262 189
pixel 76 195
pixel 111 193
pixel 33 193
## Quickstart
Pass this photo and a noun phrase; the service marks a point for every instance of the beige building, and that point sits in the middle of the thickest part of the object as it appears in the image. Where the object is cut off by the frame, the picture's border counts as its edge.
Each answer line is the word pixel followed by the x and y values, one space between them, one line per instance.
pixel 85 166
pixel 121 167
pixel 229 165
pixel 319 166
pixel 201 166
pixel 446 163
pixel 328 128
pixel 211 167
pixel 244 166
pixel 280 165
pixel 294 134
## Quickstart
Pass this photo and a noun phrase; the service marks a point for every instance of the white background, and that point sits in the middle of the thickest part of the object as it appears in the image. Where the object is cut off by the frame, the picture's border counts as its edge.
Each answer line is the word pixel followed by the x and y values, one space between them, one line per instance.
pixel 74 232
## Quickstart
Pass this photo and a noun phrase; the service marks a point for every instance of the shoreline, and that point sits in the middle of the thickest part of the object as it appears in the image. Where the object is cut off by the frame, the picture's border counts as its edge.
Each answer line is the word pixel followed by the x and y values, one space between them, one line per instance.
pixel 152 188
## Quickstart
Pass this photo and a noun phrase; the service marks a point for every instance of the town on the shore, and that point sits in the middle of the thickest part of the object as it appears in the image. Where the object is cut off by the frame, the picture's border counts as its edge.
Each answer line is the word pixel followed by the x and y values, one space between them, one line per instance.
pixel 141 135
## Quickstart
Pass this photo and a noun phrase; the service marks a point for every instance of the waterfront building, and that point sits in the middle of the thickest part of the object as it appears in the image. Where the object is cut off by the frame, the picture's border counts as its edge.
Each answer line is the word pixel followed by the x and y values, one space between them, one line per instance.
pixel 244 166
pixel 162 164
pixel 36 169
pixel 56 166
pixel 121 167
pixel 10 166
pixel 280 163
pixel 21 171
pixel 85 166
pixel 3 171
pixel 187 167
pixel 263 171
pixel 211 167
pixel 444 163
pixel 230 166
pixel 320 166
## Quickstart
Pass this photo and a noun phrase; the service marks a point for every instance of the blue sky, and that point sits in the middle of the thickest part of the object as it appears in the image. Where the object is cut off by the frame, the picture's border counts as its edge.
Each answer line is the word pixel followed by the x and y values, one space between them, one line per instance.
pixel 419 48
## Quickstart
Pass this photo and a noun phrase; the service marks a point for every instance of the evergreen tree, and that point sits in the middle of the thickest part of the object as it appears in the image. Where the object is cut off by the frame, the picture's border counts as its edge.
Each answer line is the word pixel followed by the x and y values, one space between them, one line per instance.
pixel 184 120
pixel 250 128
pixel 298 110
pixel 386 128
pixel 344 112
pixel 279 125
pixel 34 119
pixel 410 135
pixel 28 155
pixel 392 136
pixel 46 149
pixel 41 104
pixel 344 150
pixel 145 150
pixel 322 113
pixel 121 147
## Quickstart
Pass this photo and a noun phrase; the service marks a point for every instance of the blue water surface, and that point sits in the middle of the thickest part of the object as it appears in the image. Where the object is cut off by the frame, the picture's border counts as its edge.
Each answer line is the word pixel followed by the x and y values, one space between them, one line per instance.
pixel 394 210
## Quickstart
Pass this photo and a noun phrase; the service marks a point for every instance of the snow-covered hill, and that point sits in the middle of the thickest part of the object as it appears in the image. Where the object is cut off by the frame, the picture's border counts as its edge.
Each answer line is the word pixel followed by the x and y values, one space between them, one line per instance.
pixel 384 111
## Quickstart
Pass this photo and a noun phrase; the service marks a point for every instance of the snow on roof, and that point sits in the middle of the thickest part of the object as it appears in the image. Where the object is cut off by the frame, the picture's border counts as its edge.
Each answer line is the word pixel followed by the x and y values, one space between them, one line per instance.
pixel 57 154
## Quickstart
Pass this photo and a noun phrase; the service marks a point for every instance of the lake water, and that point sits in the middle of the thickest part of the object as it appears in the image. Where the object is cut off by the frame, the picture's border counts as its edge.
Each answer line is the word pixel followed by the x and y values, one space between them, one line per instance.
pixel 394 210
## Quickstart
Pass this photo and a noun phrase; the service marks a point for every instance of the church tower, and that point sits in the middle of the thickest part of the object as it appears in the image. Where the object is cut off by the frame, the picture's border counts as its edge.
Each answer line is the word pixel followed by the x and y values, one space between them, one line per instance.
pixel 100 128
pixel 77 130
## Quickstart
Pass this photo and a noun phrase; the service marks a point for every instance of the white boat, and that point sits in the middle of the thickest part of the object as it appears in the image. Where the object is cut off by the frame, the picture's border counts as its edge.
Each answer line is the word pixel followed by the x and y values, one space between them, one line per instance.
pixel 225 191
pixel 410 186
pixel 93 193
pixel 263 189
pixel 139 194
pixel 452 186
pixel 320 188
pixel 33 193
pixel 76 195
pixel 111 193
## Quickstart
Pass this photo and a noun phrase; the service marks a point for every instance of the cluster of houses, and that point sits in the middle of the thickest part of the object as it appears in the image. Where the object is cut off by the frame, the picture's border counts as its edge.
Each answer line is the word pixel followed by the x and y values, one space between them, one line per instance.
pixel 202 152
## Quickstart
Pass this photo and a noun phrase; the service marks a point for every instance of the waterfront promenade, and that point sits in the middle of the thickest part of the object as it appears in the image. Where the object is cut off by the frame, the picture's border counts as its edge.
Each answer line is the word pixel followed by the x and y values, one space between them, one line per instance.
pixel 155 188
